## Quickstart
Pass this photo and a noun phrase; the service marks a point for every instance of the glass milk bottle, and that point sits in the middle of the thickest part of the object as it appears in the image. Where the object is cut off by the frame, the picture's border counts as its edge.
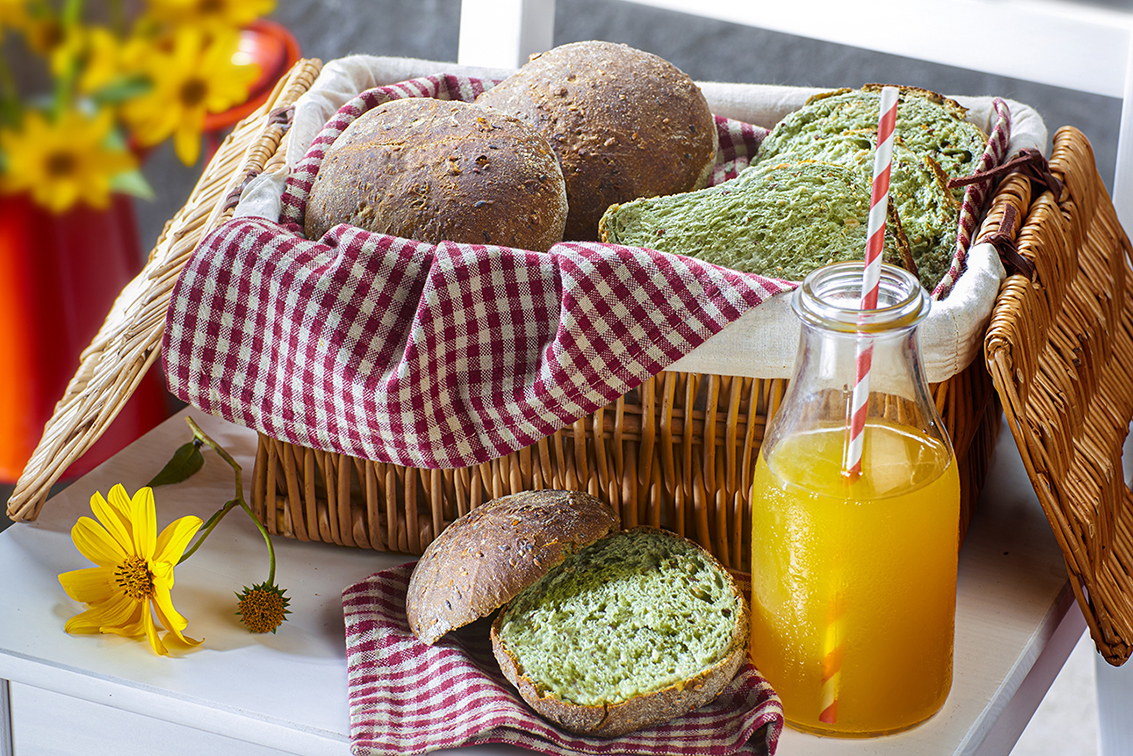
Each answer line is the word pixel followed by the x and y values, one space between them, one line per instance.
pixel 854 573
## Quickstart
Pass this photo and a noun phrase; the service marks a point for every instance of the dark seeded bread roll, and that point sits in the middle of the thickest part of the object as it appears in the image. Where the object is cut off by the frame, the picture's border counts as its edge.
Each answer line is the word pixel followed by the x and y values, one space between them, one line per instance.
pixel 623 122
pixel 636 629
pixel 483 559
pixel 437 170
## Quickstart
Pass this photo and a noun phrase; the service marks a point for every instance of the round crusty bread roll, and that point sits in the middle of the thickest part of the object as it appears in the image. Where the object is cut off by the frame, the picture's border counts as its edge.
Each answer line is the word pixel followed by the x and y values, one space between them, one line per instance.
pixel 437 170
pixel 623 122
pixel 484 558
pixel 637 629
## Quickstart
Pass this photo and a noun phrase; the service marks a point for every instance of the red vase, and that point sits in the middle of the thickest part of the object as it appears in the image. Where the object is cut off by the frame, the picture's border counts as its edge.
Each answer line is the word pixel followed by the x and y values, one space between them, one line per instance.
pixel 59 276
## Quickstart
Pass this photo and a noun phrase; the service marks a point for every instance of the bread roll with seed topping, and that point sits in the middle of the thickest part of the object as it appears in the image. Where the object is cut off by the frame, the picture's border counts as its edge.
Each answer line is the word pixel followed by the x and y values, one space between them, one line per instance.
pixel 483 559
pixel 624 124
pixel 437 170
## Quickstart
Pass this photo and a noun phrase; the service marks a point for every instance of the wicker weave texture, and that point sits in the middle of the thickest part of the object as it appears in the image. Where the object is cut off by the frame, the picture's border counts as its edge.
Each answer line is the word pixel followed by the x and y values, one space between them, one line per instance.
pixel 1060 350
pixel 678 452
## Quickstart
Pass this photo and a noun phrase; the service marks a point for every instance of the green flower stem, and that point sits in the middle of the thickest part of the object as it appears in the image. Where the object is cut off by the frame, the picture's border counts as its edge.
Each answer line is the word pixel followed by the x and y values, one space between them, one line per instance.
pixel 212 522
pixel 209 526
pixel 204 438
pixel 70 18
pixel 267 540
pixel 118 17
pixel 8 90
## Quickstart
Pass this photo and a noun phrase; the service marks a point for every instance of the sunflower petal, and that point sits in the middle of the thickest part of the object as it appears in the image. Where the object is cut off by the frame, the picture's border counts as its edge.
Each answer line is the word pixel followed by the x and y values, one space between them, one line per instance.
pixel 93 542
pixel 112 613
pixel 171 619
pixel 119 501
pixel 173 541
pixel 112 518
pixel 151 634
pixel 187 140
pixel 90 586
pixel 133 626
pixel 143 516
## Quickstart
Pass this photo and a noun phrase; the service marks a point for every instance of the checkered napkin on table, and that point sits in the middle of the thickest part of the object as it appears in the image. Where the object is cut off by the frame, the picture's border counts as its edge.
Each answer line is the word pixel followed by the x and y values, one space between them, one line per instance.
pixel 408 698
pixel 431 355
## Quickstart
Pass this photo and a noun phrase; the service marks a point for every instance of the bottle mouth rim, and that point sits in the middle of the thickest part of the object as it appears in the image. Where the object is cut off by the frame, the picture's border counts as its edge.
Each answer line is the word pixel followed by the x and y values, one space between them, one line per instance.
pixel 830 298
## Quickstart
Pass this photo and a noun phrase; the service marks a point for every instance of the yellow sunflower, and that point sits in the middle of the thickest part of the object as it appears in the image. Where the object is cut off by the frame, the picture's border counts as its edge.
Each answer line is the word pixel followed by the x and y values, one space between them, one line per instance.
pixel 131 583
pixel 210 13
pixel 103 56
pixel 64 161
pixel 194 77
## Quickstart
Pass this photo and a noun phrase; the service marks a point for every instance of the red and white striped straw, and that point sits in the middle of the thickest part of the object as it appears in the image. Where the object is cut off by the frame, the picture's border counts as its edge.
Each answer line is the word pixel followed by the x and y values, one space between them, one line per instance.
pixel 871 275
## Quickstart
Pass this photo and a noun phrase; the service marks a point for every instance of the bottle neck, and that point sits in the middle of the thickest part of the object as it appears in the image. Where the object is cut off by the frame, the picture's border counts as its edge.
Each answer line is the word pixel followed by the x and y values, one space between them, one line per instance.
pixel 836 336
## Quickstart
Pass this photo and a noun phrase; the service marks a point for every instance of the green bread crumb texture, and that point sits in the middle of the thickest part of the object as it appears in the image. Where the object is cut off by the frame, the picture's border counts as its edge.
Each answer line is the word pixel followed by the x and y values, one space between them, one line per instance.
pixel 781 220
pixel 791 211
pixel 633 613
pixel 924 126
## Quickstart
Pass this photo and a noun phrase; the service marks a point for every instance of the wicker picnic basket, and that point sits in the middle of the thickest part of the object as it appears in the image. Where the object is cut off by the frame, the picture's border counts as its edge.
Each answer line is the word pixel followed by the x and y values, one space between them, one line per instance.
pixel 679 450
pixel 1060 352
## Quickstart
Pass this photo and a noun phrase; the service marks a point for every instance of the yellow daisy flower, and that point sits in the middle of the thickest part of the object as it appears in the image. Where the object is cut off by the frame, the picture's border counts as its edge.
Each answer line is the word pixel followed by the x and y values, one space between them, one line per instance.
pixel 210 13
pixel 195 77
pixel 103 59
pixel 131 583
pixel 63 162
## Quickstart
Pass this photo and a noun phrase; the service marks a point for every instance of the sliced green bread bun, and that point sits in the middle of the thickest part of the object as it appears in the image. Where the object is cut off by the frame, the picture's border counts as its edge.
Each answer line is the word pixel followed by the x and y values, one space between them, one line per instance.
pixel 797 207
pixel 778 219
pixel 928 124
pixel 636 629
pixel 487 556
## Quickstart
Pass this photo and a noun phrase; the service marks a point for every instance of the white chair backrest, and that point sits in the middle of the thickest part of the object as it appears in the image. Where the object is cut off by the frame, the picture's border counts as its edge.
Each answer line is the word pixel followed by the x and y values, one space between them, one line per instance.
pixel 1059 43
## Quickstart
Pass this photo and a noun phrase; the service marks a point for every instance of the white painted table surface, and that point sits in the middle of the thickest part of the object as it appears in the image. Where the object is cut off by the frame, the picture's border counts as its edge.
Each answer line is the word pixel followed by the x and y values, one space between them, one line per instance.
pixel 260 694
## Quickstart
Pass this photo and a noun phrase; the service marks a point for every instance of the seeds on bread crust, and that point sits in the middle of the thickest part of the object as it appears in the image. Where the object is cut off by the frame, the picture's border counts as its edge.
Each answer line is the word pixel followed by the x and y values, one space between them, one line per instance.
pixel 624 124
pixel 483 559
pixel 441 170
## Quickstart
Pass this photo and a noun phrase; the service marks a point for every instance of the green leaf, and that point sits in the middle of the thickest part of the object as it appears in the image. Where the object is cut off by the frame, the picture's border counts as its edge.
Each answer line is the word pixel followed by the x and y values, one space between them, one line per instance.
pixel 132 183
pixel 186 461
pixel 122 89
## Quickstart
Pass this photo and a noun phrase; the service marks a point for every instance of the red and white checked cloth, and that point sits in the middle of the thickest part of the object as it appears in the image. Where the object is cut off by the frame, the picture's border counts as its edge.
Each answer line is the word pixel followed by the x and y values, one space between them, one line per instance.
pixel 447 355
pixel 408 698
pixel 432 356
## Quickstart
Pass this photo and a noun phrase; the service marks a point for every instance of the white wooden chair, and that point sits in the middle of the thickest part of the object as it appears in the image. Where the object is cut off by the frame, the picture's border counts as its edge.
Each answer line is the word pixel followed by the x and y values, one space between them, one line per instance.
pixel 1059 43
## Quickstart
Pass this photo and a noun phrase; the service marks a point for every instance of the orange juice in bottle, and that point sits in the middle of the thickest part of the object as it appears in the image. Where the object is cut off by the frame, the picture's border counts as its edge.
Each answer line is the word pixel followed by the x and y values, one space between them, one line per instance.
pixel 854 576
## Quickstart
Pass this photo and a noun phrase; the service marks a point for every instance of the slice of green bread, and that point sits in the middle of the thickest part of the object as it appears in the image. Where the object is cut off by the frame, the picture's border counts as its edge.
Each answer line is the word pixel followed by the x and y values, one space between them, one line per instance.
pixel 933 142
pixel 637 628
pixel 918 190
pixel 776 219
pixel 927 123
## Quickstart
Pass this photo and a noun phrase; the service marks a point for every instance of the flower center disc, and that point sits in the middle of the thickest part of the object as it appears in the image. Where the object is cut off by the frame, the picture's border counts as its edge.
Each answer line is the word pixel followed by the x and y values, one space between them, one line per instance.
pixel 193 92
pixel 134 577
pixel 61 164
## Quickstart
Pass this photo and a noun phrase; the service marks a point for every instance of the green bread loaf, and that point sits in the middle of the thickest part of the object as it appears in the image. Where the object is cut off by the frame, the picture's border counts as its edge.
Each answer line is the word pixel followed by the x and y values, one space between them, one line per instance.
pixel 776 219
pixel 927 124
pixel 918 190
pixel 792 211
pixel 933 143
pixel 636 628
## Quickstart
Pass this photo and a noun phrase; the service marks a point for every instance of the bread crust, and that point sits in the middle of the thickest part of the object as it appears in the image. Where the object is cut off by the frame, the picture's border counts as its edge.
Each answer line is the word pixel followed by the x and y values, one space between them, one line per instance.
pixel 624 124
pixel 612 720
pixel 486 557
pixel 437 170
